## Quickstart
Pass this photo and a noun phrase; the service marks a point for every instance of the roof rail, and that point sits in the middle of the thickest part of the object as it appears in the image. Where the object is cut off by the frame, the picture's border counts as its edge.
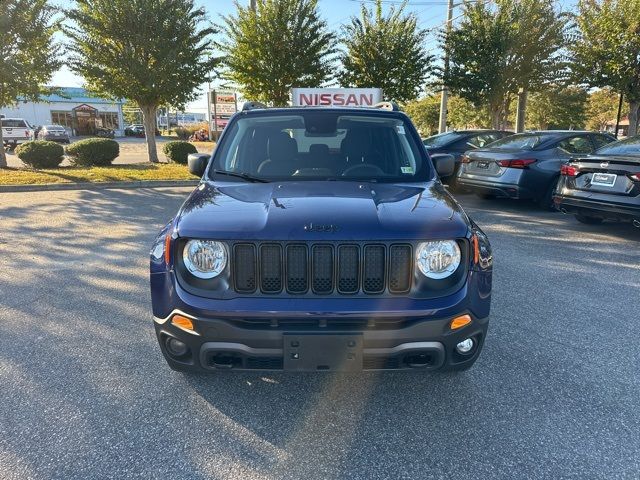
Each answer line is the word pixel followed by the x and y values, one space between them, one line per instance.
pixel 391 106
pixel 252 106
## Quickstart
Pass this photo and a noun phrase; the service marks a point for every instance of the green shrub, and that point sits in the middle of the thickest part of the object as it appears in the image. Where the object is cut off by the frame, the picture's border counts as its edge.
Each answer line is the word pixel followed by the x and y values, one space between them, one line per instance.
pixel 183 133
pixel 40 154
pixel 178 151
pixel 93 152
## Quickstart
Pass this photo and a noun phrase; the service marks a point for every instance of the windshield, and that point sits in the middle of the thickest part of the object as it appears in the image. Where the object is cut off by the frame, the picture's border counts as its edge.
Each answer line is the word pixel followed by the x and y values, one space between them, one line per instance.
pixel 524 141
pixel 630 146
pixel 54 127
pixel 322 145
pixel 442 139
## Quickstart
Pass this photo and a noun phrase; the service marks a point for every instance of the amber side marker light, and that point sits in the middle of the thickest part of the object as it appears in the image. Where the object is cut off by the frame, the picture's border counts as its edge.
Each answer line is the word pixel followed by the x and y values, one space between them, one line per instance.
pixel 476 250
pixel 460 322
pixel 182 322
pixel 167 248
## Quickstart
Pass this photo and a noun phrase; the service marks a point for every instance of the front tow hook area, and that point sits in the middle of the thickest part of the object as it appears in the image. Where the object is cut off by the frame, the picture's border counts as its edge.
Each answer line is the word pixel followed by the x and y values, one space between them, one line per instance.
pixel 418 360
pixel 224 361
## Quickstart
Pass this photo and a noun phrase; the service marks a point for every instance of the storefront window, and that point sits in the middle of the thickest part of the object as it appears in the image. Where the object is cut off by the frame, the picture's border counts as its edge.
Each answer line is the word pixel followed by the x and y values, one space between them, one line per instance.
pixel 109 120
pixel 62 118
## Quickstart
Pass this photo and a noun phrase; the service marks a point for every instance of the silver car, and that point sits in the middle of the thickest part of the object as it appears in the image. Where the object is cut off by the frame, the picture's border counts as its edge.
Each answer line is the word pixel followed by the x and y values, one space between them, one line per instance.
pixel 54 133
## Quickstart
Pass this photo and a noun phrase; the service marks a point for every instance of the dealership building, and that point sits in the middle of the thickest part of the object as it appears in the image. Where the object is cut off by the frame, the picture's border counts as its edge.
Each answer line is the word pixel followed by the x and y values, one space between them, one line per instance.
pixel 74 108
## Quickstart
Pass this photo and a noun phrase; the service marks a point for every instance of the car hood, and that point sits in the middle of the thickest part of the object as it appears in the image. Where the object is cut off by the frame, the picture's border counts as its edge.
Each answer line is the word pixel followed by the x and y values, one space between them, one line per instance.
pixel 328 211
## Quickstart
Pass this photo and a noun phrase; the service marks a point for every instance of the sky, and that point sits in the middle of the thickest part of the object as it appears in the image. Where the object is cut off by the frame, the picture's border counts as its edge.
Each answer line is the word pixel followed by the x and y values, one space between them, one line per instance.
pixel 431 13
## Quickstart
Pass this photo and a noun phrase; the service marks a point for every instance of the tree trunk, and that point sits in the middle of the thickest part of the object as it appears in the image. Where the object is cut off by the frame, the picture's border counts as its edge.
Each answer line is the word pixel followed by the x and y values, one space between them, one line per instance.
pixel 3 155
pixel 496 116
pixel 149 120
pixel 633 118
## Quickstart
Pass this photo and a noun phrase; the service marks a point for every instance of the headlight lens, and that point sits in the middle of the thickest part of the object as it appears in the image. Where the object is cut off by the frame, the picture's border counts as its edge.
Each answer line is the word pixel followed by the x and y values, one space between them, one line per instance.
pixel 204 258
pixel 438 259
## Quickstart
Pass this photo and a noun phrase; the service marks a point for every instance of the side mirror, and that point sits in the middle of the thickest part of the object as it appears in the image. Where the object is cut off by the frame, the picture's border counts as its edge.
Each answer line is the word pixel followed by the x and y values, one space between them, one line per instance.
pixel 444 164
pixel 198 163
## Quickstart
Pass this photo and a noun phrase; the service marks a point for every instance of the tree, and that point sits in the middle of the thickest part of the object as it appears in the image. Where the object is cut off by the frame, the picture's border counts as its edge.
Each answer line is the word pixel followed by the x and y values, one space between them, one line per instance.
pixel 463 114
pixel 425 114
pixel 279 45
pixel 153 52
pixel 606 50
pixel 385 51
pixel 496 50
pixel 557 108
pixel 26 31
pixel 602 108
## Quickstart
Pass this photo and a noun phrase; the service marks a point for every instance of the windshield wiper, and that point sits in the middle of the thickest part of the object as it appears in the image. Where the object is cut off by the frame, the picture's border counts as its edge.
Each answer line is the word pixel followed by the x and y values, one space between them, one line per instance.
pixel 244 176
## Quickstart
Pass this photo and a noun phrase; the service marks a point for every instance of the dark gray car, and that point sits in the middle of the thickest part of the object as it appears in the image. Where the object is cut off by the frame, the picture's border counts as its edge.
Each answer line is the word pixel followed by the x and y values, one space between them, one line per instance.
pixel 54 133
pixel 457 142
pixel 526 165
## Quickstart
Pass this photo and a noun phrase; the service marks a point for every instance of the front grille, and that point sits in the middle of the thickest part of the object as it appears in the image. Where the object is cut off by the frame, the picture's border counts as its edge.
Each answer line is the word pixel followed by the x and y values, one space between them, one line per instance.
pixel 322 268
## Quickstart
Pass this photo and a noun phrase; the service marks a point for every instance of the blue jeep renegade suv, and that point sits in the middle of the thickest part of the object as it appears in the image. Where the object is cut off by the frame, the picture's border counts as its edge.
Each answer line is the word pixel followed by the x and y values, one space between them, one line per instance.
pixel 321 239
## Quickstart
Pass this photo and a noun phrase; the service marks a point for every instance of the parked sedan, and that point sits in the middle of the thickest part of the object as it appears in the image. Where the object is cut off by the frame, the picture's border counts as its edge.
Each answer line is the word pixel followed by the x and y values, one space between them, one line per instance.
pixel 605 185
pixel 134 130
pixel 54 133
pixel 526 165
pixel 457 142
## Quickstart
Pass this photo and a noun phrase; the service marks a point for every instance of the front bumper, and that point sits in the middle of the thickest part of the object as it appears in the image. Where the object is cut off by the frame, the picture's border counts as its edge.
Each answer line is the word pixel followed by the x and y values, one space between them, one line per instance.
pixel 269 344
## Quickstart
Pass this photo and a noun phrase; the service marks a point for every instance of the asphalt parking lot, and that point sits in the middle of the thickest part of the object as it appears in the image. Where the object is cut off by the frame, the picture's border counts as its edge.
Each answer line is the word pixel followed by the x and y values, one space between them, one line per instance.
pixel 85 392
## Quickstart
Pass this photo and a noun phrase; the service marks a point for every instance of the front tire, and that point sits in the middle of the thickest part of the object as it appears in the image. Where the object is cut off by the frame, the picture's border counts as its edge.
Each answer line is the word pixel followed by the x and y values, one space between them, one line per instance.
pixel 587 220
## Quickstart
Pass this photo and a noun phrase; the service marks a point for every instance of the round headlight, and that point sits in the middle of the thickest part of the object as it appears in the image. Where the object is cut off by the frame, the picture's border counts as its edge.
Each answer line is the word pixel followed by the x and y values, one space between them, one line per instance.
pixel 204 258
pixel 438 259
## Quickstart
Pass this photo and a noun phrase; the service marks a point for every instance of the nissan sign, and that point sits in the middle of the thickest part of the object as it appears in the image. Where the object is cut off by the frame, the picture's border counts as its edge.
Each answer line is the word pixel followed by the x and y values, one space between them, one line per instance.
pixel 336 97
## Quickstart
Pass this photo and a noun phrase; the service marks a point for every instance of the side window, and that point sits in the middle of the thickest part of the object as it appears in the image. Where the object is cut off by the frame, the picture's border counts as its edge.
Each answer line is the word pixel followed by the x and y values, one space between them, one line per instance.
pixel 487 138
pixel 576 145
pixel 601 140
pixel 477 141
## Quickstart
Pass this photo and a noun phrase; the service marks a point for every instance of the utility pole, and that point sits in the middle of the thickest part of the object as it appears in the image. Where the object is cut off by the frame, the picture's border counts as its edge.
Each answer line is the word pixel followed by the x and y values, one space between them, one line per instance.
pixel 619 114
pixel 442 124
pixel 254 5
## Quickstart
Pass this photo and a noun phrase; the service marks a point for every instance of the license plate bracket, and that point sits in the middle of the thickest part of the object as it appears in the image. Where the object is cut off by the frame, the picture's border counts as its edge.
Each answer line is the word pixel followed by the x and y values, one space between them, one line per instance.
pixel 311 352
pixel 604 179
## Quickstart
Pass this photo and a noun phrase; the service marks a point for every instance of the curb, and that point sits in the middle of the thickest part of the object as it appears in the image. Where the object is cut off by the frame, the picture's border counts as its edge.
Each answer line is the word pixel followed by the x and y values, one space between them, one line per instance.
pixel 97 185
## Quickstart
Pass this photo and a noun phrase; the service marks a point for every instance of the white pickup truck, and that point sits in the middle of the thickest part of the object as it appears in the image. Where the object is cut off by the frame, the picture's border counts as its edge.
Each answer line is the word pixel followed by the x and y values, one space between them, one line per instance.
pixel 15 131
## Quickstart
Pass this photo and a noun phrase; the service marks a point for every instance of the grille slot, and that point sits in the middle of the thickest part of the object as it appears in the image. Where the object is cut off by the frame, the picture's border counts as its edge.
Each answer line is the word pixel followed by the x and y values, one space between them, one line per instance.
pixel 244 267
pixel 271 268
pixel 348 268
pixel 322 269
pixel 400 268
pixel 297 276
pixel 374 267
